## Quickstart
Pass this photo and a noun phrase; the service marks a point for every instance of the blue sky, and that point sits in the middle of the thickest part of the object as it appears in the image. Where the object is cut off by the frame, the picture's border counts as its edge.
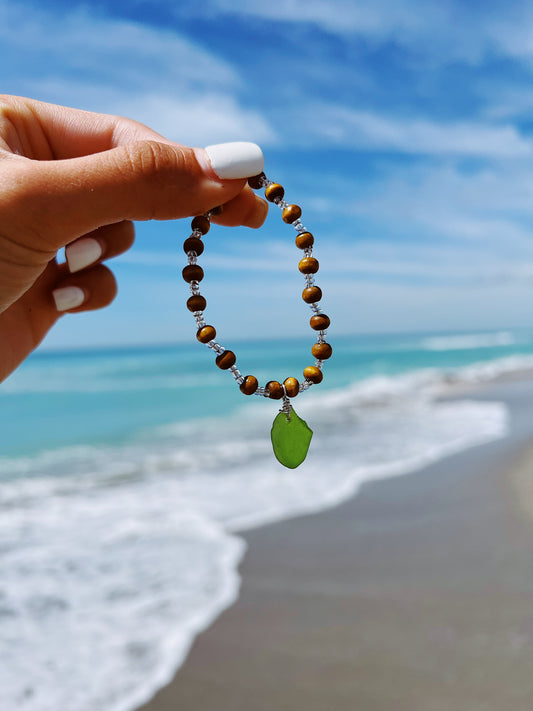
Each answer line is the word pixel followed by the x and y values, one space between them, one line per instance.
pixel 404 129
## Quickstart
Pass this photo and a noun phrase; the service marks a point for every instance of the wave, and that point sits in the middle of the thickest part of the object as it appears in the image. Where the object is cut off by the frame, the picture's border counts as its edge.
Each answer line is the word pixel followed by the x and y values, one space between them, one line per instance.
pixel 468 341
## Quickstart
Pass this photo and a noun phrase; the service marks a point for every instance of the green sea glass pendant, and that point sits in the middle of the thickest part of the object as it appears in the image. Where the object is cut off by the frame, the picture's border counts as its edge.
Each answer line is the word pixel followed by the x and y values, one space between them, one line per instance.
pixel 291 437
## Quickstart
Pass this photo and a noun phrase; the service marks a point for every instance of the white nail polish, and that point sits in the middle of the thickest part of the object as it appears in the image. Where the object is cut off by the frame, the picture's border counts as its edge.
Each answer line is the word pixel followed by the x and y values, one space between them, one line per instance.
pixel 81 253
pixel 236 160
pixel 68 297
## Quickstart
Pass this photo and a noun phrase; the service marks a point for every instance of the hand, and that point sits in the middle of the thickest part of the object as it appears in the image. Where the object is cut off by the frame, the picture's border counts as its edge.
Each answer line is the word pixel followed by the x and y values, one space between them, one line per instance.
pixel 77 179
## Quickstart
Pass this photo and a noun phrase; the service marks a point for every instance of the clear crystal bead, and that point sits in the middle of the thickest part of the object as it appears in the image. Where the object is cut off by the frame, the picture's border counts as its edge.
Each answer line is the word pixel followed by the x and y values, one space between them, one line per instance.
pixel 236 374
pixel 309 279
pixel 192 257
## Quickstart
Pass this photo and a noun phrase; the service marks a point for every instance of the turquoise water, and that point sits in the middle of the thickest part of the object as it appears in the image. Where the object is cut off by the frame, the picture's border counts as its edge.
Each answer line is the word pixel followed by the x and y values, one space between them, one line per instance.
pixel 92 396
pixel 126 476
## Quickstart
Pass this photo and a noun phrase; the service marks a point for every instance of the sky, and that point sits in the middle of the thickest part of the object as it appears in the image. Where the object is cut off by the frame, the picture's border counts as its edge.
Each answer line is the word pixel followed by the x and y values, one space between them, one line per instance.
pixel 403 129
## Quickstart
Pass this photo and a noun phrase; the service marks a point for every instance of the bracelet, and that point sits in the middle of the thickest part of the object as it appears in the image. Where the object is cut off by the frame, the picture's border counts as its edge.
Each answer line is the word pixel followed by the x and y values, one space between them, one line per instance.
pixel 290 435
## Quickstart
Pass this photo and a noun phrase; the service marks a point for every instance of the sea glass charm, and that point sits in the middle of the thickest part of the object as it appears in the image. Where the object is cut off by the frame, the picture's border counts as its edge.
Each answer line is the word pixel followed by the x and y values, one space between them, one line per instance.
pixel 291 437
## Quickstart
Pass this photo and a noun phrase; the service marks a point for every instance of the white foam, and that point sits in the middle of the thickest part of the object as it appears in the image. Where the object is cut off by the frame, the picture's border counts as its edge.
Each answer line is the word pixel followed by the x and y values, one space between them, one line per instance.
pixel 103 594
pixel 468 341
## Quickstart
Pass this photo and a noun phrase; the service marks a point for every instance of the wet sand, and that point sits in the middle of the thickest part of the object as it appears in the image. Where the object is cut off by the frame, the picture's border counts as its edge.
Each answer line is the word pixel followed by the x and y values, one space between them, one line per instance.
pixel 416 595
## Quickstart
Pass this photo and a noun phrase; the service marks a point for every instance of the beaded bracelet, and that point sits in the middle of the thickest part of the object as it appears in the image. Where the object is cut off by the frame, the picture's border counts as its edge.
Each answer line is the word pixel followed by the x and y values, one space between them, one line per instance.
pixel 290 435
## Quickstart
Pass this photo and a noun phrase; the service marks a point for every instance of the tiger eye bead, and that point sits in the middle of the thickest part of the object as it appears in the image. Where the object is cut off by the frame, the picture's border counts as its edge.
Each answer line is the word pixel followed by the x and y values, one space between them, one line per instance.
pixel 206 334
pixel 193 272
pixel 274 192
pixel 256 181
pixel 319 322
pixel 201 224
pixel 275 390
pixel 249 385
pixel 313 374
pixel 312 294
pixel 226 359
pixel 308 265
pixel 304 240
pixel 322 351
pixel 291 213
pixel 193 244
pixel 196 302
pixel 292 387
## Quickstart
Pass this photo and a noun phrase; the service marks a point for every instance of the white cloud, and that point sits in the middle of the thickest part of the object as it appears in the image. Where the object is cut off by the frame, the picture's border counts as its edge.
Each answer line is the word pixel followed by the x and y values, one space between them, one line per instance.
pixel 442 31
pixel 155 76
pixel 369 130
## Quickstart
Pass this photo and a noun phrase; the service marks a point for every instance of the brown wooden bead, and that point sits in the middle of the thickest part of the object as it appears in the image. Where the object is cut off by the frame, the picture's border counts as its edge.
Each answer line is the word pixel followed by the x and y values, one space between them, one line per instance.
pixel 196 302
pixel 226 359
pixel 256 181
pixel 291 213
pixel 206 334
pixel 193 244
pixel 312 294
pixel 193 272
pixel 274 192
pixel 201 224
pixel 308 265
pixel 249 385
pixel 292 386
pixel 304 240
pixel 275 390
pixel 319 322
pixel 218 210
pixel 322 351
pixel 313 374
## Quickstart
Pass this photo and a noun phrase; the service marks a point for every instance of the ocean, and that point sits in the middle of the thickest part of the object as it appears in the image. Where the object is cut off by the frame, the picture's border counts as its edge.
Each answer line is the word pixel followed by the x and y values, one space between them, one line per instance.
pixel 126 476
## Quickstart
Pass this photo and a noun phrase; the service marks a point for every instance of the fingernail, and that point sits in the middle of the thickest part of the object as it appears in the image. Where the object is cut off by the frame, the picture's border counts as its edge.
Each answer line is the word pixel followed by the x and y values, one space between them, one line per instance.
pixel 236 160
pixel 68 297
pixel 81 253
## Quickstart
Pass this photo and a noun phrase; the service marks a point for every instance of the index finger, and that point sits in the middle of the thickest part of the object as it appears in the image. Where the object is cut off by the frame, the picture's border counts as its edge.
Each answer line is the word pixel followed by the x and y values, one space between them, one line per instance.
pixel 43 131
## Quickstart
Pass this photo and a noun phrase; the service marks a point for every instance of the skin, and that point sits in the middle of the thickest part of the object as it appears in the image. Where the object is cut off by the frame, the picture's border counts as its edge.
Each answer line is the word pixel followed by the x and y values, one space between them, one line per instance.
pixel 66 174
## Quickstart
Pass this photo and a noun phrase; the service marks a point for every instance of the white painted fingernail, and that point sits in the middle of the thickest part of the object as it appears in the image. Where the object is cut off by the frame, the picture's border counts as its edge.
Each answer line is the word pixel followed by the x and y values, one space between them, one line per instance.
pixel 81 253
pixel 236 160
pixel 68 297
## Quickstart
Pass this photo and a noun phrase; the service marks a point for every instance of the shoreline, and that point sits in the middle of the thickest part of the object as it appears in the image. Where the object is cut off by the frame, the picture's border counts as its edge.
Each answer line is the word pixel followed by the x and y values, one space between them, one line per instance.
pixel 413 594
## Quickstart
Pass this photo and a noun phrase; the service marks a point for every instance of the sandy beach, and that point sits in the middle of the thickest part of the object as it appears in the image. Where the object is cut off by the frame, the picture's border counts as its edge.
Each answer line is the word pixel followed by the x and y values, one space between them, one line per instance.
pixel 416 595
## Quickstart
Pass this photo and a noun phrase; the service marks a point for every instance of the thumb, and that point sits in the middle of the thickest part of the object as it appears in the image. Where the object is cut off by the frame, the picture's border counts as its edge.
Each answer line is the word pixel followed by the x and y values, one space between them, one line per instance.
pixel 142 180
